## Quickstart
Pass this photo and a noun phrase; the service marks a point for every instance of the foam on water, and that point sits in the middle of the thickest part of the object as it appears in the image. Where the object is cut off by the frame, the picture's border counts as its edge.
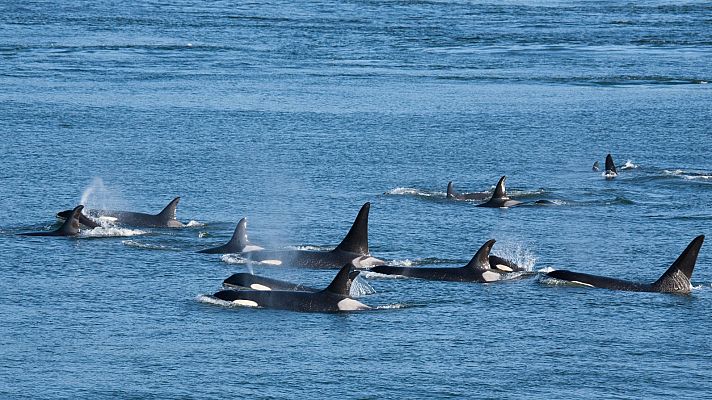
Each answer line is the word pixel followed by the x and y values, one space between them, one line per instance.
pixel 110 231
pixel 629 165
pixel 233 259
pixel 147 246
pixel 516 252
pixel 360 287
pixel 376 275
pixel 193 223
pixel 405 191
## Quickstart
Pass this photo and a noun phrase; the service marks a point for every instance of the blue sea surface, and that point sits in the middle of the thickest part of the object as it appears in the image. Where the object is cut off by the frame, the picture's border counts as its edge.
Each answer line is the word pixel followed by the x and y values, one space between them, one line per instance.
pixel 294 114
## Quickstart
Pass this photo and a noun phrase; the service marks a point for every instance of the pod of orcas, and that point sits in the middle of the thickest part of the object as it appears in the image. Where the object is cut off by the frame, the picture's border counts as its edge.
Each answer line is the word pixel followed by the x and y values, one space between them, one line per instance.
pixel 352 255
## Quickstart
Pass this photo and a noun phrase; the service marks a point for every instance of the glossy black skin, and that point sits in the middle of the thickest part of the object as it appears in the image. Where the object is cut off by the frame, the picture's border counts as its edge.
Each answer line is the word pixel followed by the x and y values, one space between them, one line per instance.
pixel 164 219
pixel 304 258
pixel 245 280
pixel 499 198
pixel 321 301
pixel 453 195
pixel 462 274
pixel 70 227
pixel 601 281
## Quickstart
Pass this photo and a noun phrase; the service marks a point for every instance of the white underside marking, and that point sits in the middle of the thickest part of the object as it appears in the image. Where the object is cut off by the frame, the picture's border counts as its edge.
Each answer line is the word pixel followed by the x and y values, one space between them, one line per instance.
pixel 271 262
pixel 490 276
pixel 246 303
pixel 366 261
pixel 582 284
pixel 257 286
pixel 351 305
pixel 504 268
pixel 251 247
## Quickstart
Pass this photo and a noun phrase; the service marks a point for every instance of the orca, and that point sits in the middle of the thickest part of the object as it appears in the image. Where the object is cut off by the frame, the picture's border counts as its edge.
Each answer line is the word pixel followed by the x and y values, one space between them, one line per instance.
pixel 499 198
pixel 70 227
pixel 256 282
pixel 503 264
pixel 611 171
pixel 237 244
pixel 596 167
pixel 165 219
pixel 675 280
pixel 477 270
pixel 334 298
pixel 353 249
pixel 452 194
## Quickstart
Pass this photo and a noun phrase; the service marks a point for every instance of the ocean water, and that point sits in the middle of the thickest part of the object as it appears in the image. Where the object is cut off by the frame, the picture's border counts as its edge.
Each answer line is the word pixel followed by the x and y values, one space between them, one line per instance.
pixel 294 114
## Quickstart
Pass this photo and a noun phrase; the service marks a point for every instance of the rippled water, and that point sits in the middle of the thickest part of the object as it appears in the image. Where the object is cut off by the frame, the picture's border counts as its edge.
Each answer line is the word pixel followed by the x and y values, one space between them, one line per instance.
pixel 296 113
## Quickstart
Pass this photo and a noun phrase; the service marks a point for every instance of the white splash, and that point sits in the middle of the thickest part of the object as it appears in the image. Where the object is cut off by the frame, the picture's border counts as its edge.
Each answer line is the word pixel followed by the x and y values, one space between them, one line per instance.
pixel 359 287
pixel 517 253
pixel 233 259
pixel 110 231
pixel 372 275
pixel 193 223
pixel 400 191
pixel 629 165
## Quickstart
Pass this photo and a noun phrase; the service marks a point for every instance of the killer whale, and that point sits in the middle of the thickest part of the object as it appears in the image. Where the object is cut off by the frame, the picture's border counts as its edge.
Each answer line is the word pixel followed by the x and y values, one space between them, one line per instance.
pixel 256 282
pixel 452 194
pixel 596 166
pixel 70 227
pixel 353 249
pixel 611 171
pixel 334 298
pixel 675 280
pixel 164 219
pixel 499 198
pixel 477 270
pixel 237 244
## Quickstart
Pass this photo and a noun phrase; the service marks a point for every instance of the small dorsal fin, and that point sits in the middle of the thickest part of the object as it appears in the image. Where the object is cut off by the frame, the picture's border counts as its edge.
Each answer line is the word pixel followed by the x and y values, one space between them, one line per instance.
pixel 677 277
pixel 169 212
pixel 450 190
pixel 70 227
pixel 499 191
pixel 481 259
pixel 356 241
pixel 341 284
pixel 596 166
pixel 610 166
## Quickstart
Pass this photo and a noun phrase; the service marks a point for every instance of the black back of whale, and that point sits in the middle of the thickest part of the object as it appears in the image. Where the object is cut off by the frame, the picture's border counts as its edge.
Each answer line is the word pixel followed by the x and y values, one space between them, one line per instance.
pixel 164 219
pixel 499 197
pixel 331 299
pixel 70 227
pixel 477 270
pixel 675 280
pixel 452 194
pixel 249 281
pixel 354 246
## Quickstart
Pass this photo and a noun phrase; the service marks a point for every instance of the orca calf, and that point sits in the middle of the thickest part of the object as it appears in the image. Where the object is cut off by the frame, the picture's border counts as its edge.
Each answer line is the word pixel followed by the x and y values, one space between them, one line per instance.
pixel 332 299
pixel 499 198
pixel 675 280
pixel 70 227
pixel 477 270
pixel 237 244
pixel 611 171
pixel 164 219
pixel 452 194
pixel 353 249
pixel 256 282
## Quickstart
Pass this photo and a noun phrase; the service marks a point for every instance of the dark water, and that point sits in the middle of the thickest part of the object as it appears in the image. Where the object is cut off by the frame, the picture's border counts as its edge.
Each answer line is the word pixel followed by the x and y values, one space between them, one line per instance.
pixel 296 113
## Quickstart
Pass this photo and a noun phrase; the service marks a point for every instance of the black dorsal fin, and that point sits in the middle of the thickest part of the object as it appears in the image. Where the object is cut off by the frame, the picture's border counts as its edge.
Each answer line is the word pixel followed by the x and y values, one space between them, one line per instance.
pixel 677 277
pixel 239 241
pixel 169 212
pixel 70 227
pixel 341 284
pixel 481 259
pixel 596 166
pixel 610 166
pixel 500 191
pixel 450 190
pixel 356 241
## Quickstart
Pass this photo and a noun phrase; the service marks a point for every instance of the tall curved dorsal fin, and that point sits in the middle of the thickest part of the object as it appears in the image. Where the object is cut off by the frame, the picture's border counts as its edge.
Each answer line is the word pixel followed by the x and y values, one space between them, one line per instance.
pixel 70 227
pixel 500 191
pixel 481 259
pixel 239 240
pixel 671 280
pixel 610 166
pixel 341 284
pixel 169 212
pixel 450 190
pixel 356 241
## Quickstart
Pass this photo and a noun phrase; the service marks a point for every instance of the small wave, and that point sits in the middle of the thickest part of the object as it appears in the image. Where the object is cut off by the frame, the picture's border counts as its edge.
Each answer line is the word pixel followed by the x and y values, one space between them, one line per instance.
pixel 376 275
pixel 629 165
pixel 147 246
pixel 688 175
pixel 391 306
pixel 310 248
pixel 403 191
pixel 545 270
pixel 110 231
pixel 233 259
pixel 193 223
